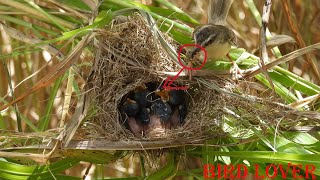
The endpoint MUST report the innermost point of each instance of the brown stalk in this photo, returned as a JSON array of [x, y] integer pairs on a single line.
[[292, 22], [263, 47]]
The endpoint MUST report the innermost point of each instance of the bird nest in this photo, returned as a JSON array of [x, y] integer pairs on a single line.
[[129, 55]]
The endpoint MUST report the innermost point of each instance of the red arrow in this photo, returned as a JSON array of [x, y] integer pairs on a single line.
[[168, 82]]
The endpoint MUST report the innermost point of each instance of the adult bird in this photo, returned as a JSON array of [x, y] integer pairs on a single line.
[[215, 36]]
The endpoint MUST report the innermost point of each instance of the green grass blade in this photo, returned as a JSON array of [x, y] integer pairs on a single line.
[[175, 34], [102, 19], [292, 83], [167, 13], [166, 171], [307, 84], [16, 171], [77, 4], [50, 17], [24, 118], [25, 8], [169, 5], [279, 88], [44, 121], [124, 4], [27, 24]]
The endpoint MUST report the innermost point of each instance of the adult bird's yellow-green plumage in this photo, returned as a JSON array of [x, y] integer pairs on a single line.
[[215, 37]]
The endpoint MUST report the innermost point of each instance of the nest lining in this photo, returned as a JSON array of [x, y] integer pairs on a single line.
[[128, 56]]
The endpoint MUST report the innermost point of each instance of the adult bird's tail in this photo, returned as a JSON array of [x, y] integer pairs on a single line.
[[218, 11]]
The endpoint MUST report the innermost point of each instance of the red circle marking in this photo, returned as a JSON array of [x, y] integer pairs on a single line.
[[201, 49]]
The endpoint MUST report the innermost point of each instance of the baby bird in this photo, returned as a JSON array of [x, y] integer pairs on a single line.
[[161, 109], [144, 115], [142, 96], [182, 109], [130, 107], [135, 127], [174, 97], [177, 101]]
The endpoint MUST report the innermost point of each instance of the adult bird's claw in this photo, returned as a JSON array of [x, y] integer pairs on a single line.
[[235, 70]]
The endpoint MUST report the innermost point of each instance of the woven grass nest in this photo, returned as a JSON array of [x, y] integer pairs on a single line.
[[128, 55]]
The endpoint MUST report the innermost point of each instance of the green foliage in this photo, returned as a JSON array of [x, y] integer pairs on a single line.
[[76, 4], [17, 171]]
